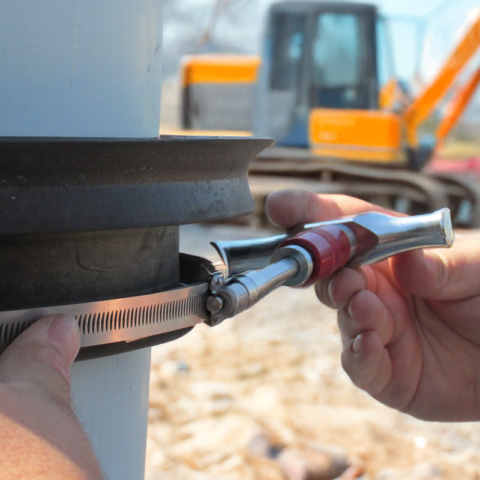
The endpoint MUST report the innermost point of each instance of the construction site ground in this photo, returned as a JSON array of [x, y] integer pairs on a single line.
[[275, 372]]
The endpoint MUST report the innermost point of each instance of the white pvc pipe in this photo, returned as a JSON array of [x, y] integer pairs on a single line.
[[89, 68], [111, 401], [83, 68]]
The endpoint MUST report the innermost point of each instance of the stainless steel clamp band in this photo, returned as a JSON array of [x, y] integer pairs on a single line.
[[119, 320]]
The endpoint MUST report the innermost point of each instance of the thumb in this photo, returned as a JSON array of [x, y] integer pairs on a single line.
[[42, 355], [287, 208]]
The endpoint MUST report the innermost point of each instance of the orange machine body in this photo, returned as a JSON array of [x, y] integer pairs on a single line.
[[219, 92], [362, 135], [223, 69]]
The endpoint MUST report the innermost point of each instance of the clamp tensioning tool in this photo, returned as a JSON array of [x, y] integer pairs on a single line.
[[318, 252]]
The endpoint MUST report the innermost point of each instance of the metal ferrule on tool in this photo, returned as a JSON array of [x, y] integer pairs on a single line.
[[292, 267]]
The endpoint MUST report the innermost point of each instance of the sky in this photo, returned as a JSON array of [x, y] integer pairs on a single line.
[[443, 23]]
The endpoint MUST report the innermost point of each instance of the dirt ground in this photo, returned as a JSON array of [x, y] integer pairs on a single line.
[[275, 371]]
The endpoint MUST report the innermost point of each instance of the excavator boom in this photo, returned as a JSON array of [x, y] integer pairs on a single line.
[[425, 103], [457, 106]]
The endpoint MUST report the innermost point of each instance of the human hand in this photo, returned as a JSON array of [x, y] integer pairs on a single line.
[[410, 325], [40, 436]]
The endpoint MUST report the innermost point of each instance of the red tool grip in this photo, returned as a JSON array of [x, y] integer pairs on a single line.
[[329, 247]]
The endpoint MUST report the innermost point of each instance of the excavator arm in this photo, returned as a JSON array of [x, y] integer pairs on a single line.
[[424, 104], [456, 107]]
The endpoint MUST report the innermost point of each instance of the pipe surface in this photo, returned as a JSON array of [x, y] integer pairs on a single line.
[[86, 68], [111, 400]]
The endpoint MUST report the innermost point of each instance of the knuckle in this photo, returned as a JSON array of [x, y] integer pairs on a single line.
[[364, 305], [49, 356], [444, 273], [54, 365], [347, 284]]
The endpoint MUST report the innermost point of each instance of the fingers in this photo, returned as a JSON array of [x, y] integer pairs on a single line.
[[367, 363], [337, 290], [441, 274], [367, 328], [366, 325], [42, 355], [287, 208], [365, 312]]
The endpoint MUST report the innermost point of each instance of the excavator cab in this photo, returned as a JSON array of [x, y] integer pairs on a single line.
[[316, 55], [325, 83]]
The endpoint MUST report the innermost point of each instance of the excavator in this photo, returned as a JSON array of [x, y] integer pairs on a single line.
[[325, 90]]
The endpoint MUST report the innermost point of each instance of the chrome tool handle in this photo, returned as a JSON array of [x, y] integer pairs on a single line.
[[401, 234], [369, 238]]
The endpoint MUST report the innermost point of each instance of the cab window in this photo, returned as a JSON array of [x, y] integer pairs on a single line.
[[287, 42], [338, 62]]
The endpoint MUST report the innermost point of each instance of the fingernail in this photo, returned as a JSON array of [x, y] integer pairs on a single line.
[[330, 291], [357, 344], [64, 331], [349, 309]]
